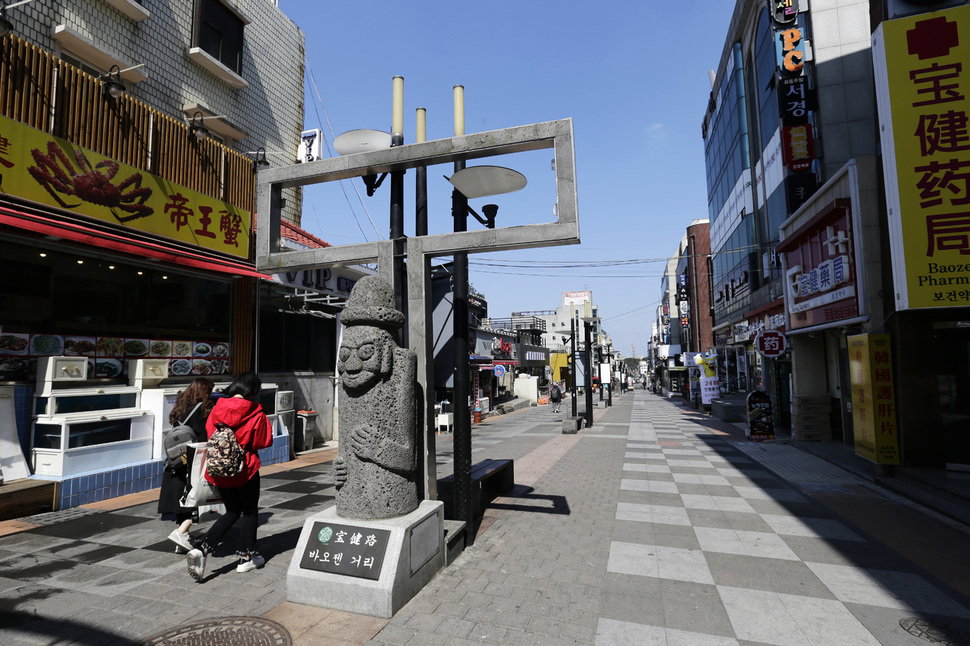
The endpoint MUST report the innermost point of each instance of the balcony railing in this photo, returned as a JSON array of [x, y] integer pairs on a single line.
[[46, 93], [516, 323]]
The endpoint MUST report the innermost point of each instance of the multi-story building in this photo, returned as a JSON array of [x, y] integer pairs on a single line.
[[130, 138], [803, 177], [577, 310]]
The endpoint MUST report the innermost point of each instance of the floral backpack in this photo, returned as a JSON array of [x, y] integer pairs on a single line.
[[224, 457]]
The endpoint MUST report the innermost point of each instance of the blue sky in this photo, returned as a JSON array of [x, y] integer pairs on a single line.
[[633, 77]]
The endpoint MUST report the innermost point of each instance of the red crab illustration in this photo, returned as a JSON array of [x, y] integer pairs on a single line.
[[55, 172]]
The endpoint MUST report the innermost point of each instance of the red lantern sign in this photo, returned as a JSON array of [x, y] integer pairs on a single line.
[[771, 343]]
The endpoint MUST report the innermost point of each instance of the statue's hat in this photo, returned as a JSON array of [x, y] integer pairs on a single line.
[[371, 302]]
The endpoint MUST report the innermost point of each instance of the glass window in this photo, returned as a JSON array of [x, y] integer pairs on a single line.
[[60, 290], [220, 33]]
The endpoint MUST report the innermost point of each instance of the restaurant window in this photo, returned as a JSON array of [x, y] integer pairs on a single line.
[[219, 32], [65, 291]]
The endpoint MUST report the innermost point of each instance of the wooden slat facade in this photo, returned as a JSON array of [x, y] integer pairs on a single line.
[[46, 93]]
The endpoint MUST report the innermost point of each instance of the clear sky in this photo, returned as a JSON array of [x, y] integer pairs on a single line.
[[633, 77]]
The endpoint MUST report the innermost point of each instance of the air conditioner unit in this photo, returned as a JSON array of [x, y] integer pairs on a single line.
[[284, 400]]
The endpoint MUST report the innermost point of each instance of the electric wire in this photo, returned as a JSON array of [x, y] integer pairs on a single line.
[[326, 141]]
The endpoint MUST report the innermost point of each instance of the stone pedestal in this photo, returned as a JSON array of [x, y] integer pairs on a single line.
[[409, 550]]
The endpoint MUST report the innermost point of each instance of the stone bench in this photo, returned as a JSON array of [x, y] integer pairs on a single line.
[[489, 478], [571, 425]]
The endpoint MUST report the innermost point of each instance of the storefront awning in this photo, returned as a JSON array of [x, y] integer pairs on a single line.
[[101, 238]]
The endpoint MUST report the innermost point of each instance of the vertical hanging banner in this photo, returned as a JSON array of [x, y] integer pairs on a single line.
[[922, 84], [873, 398]]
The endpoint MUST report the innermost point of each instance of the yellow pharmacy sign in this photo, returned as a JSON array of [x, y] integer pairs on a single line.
[[873, 398], [52, 171], [922, 87]]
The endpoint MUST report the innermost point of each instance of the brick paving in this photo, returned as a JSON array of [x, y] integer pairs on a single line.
[[658, 525]]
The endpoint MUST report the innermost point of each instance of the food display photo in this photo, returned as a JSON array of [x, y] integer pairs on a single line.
[[110, 346], [181, 348], [14, 343], [80, 346], [46, 345], [202, 349], [136, 347], [160, 348]]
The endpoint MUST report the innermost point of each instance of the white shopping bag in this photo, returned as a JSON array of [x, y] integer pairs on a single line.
[[201, 491]]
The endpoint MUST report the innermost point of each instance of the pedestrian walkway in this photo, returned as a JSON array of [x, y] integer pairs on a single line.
[[657, 525]]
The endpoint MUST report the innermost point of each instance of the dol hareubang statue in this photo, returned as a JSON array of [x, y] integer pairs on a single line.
[[377, 458]]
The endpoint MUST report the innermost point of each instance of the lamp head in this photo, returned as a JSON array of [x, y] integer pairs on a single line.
[[260, 162], [113, 88], [197, 129]]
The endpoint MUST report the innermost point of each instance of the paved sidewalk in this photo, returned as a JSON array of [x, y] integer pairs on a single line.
[[658, 525]]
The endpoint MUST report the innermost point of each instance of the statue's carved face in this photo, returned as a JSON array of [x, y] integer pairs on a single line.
[[361, 358]]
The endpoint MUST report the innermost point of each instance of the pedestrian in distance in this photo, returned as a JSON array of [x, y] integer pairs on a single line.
[[191, 409], [555, 396], [239, 409]]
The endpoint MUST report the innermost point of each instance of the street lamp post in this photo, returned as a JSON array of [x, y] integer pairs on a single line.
[[589, 391], [572, 357], [609, 355]]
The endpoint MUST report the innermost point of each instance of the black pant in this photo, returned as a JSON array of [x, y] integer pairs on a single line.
[[242, 501]]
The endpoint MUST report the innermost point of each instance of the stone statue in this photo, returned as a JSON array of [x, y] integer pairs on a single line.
[[377, 459]]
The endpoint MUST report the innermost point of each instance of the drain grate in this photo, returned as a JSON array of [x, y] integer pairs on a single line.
[[224, 631], [934, 633]]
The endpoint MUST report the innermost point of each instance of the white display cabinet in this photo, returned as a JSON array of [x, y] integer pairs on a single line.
[[75, 443], [79, 427]]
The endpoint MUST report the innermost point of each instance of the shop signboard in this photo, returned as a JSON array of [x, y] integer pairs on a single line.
[[710, 384], [795, 99], [820, 279], [873, 398], [798, 147], [783, 12], [54, 172], [771, 343], [922, 90], [761, 421]]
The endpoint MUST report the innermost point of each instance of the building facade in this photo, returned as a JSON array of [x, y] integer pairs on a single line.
[[131, 137], [810, 161]]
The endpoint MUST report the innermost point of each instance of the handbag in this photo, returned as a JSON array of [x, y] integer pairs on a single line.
[[201, 491]]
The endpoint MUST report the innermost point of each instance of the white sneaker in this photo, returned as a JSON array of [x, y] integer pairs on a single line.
[[180, 550], [181, 539], [248, 565], [196, 562]]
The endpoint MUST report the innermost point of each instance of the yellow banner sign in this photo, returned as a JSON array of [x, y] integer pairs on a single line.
[[52, 171], [923, 85], [873, 398]]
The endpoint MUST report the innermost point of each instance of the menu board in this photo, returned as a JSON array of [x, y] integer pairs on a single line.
[[108, 355], [346, 549]]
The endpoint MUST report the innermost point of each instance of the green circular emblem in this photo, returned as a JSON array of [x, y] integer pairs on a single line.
[[325, 534]]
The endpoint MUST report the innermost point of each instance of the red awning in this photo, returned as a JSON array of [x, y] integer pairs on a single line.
[[104, 239]]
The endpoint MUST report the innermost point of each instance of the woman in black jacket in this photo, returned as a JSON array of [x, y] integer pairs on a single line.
[[191, 408]]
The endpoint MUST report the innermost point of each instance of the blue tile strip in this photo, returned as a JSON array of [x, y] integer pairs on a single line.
[[94, 487]]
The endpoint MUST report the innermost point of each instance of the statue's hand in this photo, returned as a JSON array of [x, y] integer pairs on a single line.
[[339, 472], [363, 440]]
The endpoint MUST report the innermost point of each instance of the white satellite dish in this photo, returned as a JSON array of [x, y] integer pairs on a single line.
[[482, 181], [361, 141]]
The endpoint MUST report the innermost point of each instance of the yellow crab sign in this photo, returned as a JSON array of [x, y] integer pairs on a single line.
[[52, 171]]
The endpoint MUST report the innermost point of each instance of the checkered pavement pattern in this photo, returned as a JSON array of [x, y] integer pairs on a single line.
[[718, 550], [90, 570]]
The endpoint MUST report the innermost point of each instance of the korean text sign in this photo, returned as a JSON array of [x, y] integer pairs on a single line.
[[873, 398], [54, 172], [922, 68], [346, 549]]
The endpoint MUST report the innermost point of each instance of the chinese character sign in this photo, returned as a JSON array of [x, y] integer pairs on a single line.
[[345, 549], [52, 171], [873, 398], [922, 68]]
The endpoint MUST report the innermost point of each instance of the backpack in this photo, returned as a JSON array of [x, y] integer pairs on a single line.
[[555, 393], [224, 457], [175, 444]]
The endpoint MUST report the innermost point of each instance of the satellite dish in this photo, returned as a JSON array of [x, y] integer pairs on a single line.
[[361, 141], [482, 181]]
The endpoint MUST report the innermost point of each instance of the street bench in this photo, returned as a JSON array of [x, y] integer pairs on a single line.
[[489, 478]]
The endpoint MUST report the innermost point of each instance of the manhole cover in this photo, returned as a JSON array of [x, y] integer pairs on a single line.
[[224, 631], [934, 633]]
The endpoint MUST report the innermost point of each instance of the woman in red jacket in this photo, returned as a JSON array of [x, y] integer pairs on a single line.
[[239, 410]]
